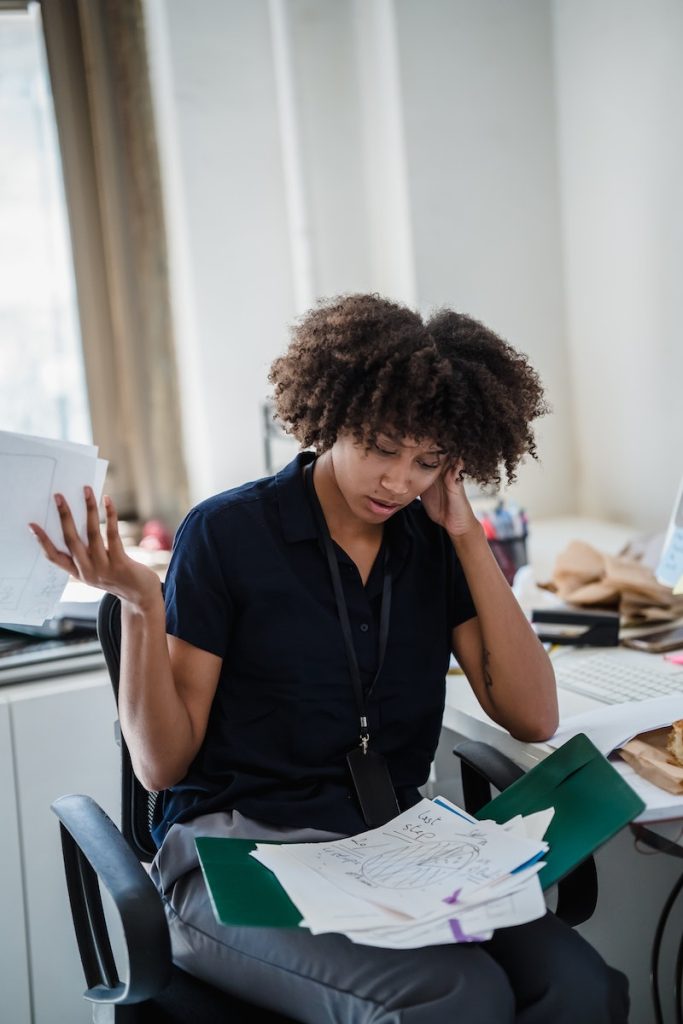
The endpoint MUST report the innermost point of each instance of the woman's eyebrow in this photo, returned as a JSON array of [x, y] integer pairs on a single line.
[[393, 439]]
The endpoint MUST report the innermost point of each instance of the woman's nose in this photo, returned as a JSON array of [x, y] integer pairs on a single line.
[[396, 480]]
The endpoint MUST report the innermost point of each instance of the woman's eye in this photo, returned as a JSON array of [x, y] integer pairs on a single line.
[[383, 451], [430, 465]]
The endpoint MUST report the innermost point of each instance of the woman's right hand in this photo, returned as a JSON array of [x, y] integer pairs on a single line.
[[105, 566]]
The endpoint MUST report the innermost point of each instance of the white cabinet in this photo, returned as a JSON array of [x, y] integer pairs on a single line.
[[13, 946], [56, 737]]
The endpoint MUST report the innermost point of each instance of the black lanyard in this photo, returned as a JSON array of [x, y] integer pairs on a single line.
[[343, 613]]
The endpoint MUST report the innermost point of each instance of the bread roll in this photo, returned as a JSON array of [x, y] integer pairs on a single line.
[[674, 743]]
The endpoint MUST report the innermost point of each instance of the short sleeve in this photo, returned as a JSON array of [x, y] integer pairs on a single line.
[[198, 605], [462, 606]]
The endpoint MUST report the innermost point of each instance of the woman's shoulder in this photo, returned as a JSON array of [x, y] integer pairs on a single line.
[[230, 507], [244, 494]]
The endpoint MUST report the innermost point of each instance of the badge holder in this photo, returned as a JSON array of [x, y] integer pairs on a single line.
[[374, 788]]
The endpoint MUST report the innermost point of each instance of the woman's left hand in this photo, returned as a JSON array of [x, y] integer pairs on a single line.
[[447, 504]]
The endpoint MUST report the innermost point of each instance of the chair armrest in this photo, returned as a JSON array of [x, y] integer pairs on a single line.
[[482, 766], [96, 853]]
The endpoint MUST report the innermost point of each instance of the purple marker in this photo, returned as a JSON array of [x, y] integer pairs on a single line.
[[460, 936]]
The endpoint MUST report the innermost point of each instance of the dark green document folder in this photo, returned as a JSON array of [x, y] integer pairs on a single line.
[[592, 803], [591, 800], [242, 891]]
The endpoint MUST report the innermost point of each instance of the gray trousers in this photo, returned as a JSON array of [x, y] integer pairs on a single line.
[[538, 973]]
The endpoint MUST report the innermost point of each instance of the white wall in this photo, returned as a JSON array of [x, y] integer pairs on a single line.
[[477, 86], [230, 249], [620, 133], [515, 161]]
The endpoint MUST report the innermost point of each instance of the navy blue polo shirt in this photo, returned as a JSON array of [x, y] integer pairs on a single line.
[[249, 582]]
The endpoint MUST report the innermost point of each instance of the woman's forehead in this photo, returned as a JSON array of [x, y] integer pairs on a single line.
[[414, 443]]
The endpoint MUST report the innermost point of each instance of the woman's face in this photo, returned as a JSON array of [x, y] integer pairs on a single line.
[[376, 482]]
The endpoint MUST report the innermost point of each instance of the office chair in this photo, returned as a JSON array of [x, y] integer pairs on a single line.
[[97, 853], [483, 767]]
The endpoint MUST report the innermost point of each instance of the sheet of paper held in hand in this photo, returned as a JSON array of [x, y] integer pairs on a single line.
[[432, 875], [32, 470]]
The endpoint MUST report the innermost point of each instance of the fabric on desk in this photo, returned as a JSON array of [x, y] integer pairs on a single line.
[[540, 973]]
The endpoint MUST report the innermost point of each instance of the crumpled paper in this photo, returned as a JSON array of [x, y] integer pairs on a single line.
[[648, 756], [585, 576]]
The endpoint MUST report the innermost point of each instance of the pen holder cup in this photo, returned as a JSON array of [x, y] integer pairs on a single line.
[[510, 553]]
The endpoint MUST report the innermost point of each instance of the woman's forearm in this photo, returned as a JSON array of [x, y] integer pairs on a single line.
[[518, 688], [154, 720]]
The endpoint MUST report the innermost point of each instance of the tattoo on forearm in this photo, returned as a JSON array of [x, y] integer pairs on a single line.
[[488, 679]]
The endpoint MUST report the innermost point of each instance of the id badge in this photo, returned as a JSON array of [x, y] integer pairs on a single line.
[[374, 787]]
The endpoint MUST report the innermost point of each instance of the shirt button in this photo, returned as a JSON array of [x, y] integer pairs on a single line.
[[364, 627]]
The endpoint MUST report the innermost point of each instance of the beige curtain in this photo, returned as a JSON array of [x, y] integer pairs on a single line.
[[99, 72]]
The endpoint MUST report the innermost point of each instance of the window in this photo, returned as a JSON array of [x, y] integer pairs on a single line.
[[42, 378], [74, 83]]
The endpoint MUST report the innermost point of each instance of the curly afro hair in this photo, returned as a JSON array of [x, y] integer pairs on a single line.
[[361, 364]]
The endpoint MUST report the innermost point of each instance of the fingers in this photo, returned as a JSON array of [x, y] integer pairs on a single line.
[[59, 558], [92, 562], [77, 548], [96, 549], [100, 561], [92, 517], [114, 542], [455, 472]]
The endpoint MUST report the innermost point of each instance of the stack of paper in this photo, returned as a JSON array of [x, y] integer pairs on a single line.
[[32, 470], [432, 875]]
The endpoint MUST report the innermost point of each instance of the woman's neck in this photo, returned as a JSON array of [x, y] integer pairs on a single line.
[[341, 520]]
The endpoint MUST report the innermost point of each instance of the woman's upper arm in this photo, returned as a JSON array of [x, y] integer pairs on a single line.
[[195, 674]]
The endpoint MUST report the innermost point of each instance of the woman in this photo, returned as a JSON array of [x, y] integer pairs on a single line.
[[308, 621]]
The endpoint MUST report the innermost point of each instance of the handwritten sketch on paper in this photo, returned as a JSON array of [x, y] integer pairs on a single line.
[[32, 469], [432, 875], [418, 859]]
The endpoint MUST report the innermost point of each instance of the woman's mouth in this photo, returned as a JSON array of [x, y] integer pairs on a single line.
[[383, 508]]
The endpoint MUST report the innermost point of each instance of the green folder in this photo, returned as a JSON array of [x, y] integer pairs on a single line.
[[592, 803], [591, 800], [243, 892]]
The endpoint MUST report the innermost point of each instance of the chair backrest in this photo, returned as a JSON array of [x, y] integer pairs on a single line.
[[137, 804]]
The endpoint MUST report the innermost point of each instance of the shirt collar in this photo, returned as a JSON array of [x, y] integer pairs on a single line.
[[296, 514], [298, 520]]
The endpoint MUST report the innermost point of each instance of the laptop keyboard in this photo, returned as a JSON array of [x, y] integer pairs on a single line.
[[618, 675]]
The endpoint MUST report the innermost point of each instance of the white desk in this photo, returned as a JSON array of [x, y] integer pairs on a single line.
[[632, 885], [464, 716]]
